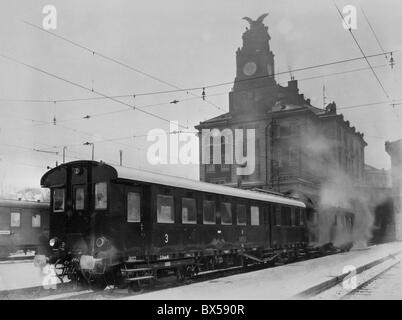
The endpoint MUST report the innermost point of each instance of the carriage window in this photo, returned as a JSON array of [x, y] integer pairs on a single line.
[[277, 215], [226, 213], [292, 217], [165, 212], [297, 216], [79, 198], [15, 219], [188, 210], [209, 212], [301, 217], [286, 216], [36, 221], [255, 216], [58, 200], [101, 195], [241, 215], [133, 207]]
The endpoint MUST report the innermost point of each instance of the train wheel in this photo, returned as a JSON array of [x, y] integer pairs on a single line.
[[60, 269], [181, 274], [135, 287], [98, 284]]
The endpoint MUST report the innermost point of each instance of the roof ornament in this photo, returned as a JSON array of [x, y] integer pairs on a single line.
[[255, 23]]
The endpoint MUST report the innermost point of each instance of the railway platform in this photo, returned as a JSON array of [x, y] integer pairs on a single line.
[[22, 274], [292, 281]]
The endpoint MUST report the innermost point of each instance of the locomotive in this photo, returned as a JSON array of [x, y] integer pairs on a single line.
[[112, 225], [24, 225]]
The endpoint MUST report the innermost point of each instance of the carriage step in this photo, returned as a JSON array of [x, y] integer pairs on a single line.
[[134, 261], [136, 270], [139, 278]]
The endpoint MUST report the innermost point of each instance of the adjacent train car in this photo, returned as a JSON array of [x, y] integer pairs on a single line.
[[331, 228], [24, 225], [135, 224]]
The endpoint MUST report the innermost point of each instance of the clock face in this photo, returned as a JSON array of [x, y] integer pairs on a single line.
[[249, 68], [269, 69]]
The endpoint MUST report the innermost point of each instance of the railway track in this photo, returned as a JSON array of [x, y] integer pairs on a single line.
[[70, 291], [340, 288]]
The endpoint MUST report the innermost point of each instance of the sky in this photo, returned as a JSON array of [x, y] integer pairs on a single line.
[[188, 44]]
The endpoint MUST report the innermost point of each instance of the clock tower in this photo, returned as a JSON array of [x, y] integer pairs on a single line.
[[254, 87]]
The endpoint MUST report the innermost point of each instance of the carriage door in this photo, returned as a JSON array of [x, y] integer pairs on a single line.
[[80, 217], [267, 224], [135, 216]]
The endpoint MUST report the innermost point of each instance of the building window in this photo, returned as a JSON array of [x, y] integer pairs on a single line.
[[225, 168], [209, 212], [284, 158], [285, 131], [36, 221], [241, 215], [58, 200], [15, 219], [255, 215], [133, 207], [79, 198], [188, 210], [165, 212], [293, 156], [101, 195], [210, 168], [226, 213]]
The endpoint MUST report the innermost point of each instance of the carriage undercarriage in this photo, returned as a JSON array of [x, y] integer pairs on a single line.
[[134, 275]]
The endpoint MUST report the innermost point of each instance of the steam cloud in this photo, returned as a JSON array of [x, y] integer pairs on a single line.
[[339, 191]]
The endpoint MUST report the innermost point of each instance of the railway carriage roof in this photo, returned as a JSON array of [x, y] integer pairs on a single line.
[[162, 179], [173, 181], [22, 203]]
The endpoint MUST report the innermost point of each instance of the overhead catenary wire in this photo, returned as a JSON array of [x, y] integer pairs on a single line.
[[374, 33], [106, 57], [100, 114], [83, 87], [362, 52], [129, 95], [365, 57], [109, 98]]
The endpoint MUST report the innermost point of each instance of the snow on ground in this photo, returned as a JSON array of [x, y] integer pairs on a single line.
[[282, 282]]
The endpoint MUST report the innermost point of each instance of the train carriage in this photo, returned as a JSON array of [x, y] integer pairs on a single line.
[[119, 218], [24, 225]]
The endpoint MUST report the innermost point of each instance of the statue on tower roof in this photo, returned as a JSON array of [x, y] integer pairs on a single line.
[[257, 35], [256, 23]]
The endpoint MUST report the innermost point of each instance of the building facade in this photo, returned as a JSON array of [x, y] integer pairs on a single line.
[[379, 197], [394, 149], [297, 146]]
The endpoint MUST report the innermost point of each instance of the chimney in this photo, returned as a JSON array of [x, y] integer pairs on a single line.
[[292, 85]]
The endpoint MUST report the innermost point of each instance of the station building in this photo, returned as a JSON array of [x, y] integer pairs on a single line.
[[297, 145]]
